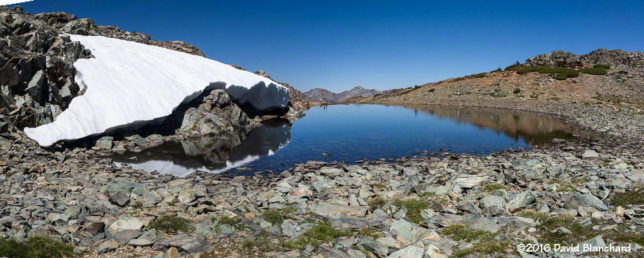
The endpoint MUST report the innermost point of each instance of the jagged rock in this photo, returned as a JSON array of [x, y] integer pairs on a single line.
[[334, 211], [140, 242], [94, 227], [469, 181], [107, 246], [493, 204], [407, 232], [104, 143], [185, 242], [408, 252], [125, 223], [81, 27], [217, 115], [124, 236], [590, 154], [585, 200], [521, 200]]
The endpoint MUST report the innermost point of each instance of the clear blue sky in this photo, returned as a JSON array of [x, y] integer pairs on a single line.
[[376, 44]]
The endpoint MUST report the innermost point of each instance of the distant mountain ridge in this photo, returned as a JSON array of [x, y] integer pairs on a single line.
[[323, 95]]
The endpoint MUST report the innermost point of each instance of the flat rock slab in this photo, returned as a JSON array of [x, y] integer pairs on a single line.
[[335, 211], [184, 242]]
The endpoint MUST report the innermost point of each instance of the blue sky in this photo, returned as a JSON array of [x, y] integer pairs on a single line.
[[376, 44]]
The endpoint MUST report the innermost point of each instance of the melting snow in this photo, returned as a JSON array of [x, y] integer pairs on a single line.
[[129, 82]]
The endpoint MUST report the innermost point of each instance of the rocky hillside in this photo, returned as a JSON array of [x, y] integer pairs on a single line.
[[604, 77], [36, 62], [323, 95]]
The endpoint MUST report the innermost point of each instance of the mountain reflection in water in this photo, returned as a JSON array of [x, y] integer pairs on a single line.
[[348, 133], [532, 127]]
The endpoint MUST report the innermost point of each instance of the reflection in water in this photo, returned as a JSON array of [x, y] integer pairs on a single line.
[[531, 127], [211, 154], [347, 133]]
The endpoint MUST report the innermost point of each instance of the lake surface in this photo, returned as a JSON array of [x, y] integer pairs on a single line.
[[349, 133]]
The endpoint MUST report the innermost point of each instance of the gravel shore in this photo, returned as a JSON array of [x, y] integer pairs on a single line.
[[584, 191]]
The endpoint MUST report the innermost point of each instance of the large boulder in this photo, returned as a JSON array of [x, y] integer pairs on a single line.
[[216, 115]]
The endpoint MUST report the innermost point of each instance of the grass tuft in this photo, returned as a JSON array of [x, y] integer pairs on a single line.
[[414, 207], [318, 234], [594, 70], [277, 216], [171, 224], [461, 232], [632, 197], [492, 187], [35, 247], [377, 202], [234, 222]]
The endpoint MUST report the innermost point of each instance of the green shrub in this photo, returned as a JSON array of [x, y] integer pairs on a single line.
[[595, 71], [377, 202], [35, 247], [559, 73], [277, 216], [632, 197], [602, 66], [413, 208], [171, 224], [517, 91], [318, 234], [513, 67], [461, 232]]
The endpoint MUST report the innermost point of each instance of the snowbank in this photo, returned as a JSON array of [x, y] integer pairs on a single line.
[[129, 82]]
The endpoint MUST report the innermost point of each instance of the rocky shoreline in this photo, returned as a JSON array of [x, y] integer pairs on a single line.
[[586, 191]]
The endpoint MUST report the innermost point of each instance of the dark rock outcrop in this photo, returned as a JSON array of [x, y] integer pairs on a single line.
[[36, 62], [36, 67], [217, 115]]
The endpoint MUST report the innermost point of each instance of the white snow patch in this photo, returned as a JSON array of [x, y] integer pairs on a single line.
[[130, 82]]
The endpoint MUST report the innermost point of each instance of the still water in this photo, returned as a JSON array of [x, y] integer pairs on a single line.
[[348, 133]]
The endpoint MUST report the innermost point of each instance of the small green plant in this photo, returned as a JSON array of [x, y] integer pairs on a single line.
[[537, 216], [483, 241], [234, 222], [414, 207], [35, 247], [377, 202], [427, 194], [513, 67], [137, 205], [517, 91], [602, 66], [559, 73], [277, 216], [488, 246], [171, 224], [565, 188], [378, 185], [632, 197], [595, 71], [462, 232], [318, 234], [492, 187]]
